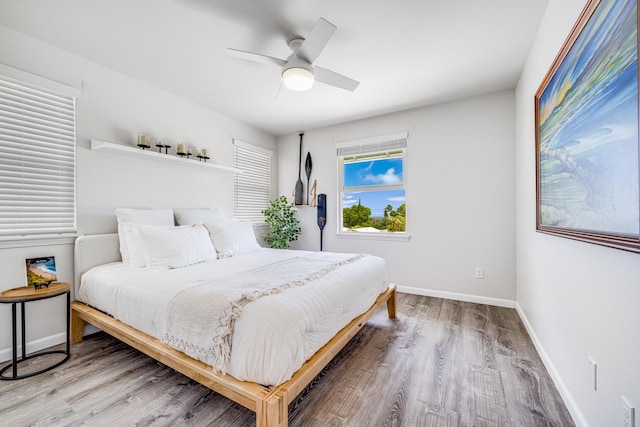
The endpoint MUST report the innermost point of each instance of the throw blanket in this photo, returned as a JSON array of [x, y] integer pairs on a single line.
[[200, 319]]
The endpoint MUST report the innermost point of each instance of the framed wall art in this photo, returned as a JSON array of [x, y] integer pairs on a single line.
[[586, 116]]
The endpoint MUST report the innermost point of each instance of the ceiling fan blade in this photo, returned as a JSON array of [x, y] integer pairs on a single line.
[[334, 79], [316, 40], [257, 57]]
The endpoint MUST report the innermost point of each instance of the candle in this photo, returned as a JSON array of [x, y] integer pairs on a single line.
[[143, 139], [181, 147], [203, 152]]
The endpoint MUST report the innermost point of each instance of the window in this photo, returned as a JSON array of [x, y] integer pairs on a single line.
[[252, 187], [373, 190], [37, 158]]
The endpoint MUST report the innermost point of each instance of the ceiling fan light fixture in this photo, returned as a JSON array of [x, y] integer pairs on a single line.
[[298, 78]]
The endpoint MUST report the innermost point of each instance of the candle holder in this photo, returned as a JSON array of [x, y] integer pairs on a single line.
[[182, 150], [166, 144], [144, 140], [159, 144], [202, 155]]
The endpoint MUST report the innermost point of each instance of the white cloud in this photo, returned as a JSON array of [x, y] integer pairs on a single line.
[[389, 177], [349, 200], [397, 199], [368, 168]]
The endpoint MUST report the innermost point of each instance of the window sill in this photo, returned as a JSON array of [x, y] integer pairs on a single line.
[[395, 237], [33, 241]]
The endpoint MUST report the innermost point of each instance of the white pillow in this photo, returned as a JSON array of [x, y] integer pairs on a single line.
[[198, 216], [176, 247], [136, 249], [139, 216], [231, 238]]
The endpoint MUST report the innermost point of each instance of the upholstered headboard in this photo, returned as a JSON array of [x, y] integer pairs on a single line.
[[92, 250]]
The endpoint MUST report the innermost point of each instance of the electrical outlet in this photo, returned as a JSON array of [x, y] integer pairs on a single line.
[[592, 373], [628, 413], [479, 273]]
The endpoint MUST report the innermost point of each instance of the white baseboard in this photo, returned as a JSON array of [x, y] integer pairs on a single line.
[[33, 346], [458, 297], [43, 343], [571, 405]]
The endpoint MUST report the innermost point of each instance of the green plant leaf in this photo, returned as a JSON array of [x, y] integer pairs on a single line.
[[285, 226]]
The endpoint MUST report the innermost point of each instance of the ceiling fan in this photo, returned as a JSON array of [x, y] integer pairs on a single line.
[[298, 71]]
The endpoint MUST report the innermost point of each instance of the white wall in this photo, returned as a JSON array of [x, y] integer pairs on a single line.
[[579, 299], [460, 195], [114, 108]]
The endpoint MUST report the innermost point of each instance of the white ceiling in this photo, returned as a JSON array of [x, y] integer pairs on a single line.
[[405, 53]]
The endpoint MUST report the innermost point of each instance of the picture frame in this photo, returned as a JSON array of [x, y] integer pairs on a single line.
[[41, 271], [586, 124]]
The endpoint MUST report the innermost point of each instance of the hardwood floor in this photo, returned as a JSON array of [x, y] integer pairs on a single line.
[[440, 363]]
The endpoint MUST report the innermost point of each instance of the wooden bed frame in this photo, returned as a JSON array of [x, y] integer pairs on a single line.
[[271, 405]]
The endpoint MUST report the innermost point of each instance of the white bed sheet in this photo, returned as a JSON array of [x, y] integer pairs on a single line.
[[274, 335]]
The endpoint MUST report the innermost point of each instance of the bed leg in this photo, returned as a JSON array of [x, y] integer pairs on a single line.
[[391, 304], [77, 327], [273, 411]]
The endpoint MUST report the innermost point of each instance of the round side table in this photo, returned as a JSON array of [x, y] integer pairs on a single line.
[[21, 296]]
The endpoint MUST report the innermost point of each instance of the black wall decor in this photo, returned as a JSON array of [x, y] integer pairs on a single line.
[[308, 165], [298, 196], [322, 214]]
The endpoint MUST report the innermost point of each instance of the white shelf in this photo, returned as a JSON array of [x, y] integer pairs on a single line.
[[158, 157]]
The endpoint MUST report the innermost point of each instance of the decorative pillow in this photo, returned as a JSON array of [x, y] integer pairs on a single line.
[[136, 248], [231, 238], [198, 216], [139, 216], [176, 247]]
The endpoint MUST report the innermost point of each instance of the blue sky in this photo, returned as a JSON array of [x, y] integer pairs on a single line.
[[374, 173]]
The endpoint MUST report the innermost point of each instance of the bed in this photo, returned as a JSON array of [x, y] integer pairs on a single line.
[[250, 381]]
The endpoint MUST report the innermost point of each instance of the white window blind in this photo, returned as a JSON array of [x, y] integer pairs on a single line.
[[37, 161], [372, 145], [252, 187]]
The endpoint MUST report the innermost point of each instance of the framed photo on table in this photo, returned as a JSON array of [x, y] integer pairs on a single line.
[[586, 117], [41, 271]]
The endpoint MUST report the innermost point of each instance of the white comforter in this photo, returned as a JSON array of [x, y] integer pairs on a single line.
[[274, 335]]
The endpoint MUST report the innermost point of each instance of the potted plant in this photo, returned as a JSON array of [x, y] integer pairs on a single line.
[[285, 226]]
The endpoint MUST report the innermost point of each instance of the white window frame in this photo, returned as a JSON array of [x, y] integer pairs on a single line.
[[37, 160], [252, 188], [378, 144]]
